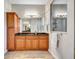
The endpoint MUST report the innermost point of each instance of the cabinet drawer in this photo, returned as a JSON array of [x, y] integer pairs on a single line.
[[29, 37], [43, 37]]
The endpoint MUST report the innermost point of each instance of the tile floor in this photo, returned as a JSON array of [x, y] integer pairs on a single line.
[[28, 55]]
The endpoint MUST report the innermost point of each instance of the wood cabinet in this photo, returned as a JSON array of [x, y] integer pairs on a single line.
[[31, 43], [10, 19], [20, 43], [10, 43], [12, 28], [13, 21], [43, 42], [17, 23], [35, 43], [28, 42]]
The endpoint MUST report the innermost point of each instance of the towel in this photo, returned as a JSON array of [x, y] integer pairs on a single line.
[[58, 39]]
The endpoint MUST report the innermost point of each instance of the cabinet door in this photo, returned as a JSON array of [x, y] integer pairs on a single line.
[[10, 19], [28, 43], [20, 42], [43, 43], [16, 23], [35, 43], [10, 43]]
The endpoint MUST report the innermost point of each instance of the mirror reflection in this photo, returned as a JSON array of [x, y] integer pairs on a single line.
[[32, 25], [58, 17]]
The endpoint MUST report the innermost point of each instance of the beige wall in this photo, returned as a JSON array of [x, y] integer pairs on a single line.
[[7, 8], [66, 48]]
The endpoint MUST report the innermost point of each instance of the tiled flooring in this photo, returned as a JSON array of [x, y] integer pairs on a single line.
[[28, 55]]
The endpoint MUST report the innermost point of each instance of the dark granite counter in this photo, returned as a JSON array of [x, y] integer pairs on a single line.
[[30, 34]]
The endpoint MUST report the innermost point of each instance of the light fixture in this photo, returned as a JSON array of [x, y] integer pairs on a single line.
[[61, 14], [31, 14]]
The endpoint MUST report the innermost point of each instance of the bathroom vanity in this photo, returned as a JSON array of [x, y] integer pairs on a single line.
[[31, 41], [19, 41]]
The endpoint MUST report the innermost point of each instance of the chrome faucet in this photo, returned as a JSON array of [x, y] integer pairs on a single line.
[[35, 33]]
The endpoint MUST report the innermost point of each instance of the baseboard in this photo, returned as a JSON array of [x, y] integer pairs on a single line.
[[53, 54]]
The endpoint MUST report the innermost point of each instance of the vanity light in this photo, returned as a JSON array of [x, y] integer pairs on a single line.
[[61, 15], [31, 14]]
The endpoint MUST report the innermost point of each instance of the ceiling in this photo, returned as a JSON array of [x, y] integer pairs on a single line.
[[36, 2], [32, 2]]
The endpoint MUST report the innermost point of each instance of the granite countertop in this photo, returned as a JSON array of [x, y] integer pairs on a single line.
[[31, 34]]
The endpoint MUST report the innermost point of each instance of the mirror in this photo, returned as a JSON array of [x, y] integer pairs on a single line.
[[32, 25], [58, 18]]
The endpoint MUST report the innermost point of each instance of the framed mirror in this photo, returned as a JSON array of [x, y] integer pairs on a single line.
[[58, 17]]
